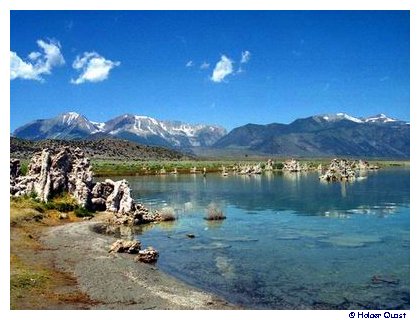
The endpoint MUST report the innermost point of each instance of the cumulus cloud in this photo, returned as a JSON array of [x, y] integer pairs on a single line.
[[222, 69], [205, 65], [189, 64], [245, 56], [93, 67], [38, 63]]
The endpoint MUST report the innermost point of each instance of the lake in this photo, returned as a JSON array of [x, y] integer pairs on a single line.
[[289, 241]]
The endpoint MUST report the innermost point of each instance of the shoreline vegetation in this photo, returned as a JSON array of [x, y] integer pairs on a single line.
[[44, 265], [113, 168], [109, 168], [33, 273]]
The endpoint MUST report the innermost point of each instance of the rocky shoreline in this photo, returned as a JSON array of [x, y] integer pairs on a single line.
[[104, 269], [117, 281]]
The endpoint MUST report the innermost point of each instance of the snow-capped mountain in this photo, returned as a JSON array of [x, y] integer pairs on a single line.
[[148, 130], [321, 135], [69, 125], [141, 129], [324, 135]]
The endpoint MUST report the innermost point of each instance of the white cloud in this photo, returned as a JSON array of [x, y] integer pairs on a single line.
[[245, 56], [223, 68], [205, 65], [34, 55], [38, 64], [94, 67], [189, 64]]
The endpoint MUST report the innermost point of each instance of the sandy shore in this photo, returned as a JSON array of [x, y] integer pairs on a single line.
[[116, 281]]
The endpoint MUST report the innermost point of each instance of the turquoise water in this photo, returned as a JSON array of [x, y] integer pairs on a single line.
[[289, 241]]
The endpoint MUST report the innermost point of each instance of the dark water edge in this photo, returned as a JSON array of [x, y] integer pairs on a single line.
[[288, 242]]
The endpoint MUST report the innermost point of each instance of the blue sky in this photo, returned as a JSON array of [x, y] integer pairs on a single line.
[[217, 67]]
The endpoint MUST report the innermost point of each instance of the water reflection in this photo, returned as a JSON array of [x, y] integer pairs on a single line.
[[214, 224], [302, 193], [289, 241], [343, 189]]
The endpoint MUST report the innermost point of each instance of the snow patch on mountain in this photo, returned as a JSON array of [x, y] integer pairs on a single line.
[[350, 118], [380, 118]]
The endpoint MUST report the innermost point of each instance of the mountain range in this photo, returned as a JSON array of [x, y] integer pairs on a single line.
[[316, 136], [140, 129], [325, 135]]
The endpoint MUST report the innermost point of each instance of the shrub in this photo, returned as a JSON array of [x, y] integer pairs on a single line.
[[23, 167], [83, 212], [62, 203], [278, 165], [64, 207], [214, 213], [49, 205], [33, 195]]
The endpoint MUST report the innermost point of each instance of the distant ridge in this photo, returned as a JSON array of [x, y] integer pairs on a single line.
[[105, 149]]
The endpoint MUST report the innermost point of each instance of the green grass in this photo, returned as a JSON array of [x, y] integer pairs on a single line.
[[27, 278], [121, 168], [28, 208], [83, 212], [109, 168], [24, 167]]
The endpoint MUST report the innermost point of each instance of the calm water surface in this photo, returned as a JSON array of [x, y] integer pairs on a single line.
[[289, 241]]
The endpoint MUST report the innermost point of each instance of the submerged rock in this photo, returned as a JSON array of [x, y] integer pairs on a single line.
[[225, 267], [387, 280], [352, 241]]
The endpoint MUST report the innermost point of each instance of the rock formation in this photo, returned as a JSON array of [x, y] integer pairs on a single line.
[[14, 168], [52, 172], [269, 165], [345, 170], [115, 196], [339, 170], [148, 255], [128, 246], [292, 165], [248, 168]]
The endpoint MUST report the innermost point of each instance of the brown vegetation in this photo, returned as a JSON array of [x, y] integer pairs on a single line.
[[214, 213]]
